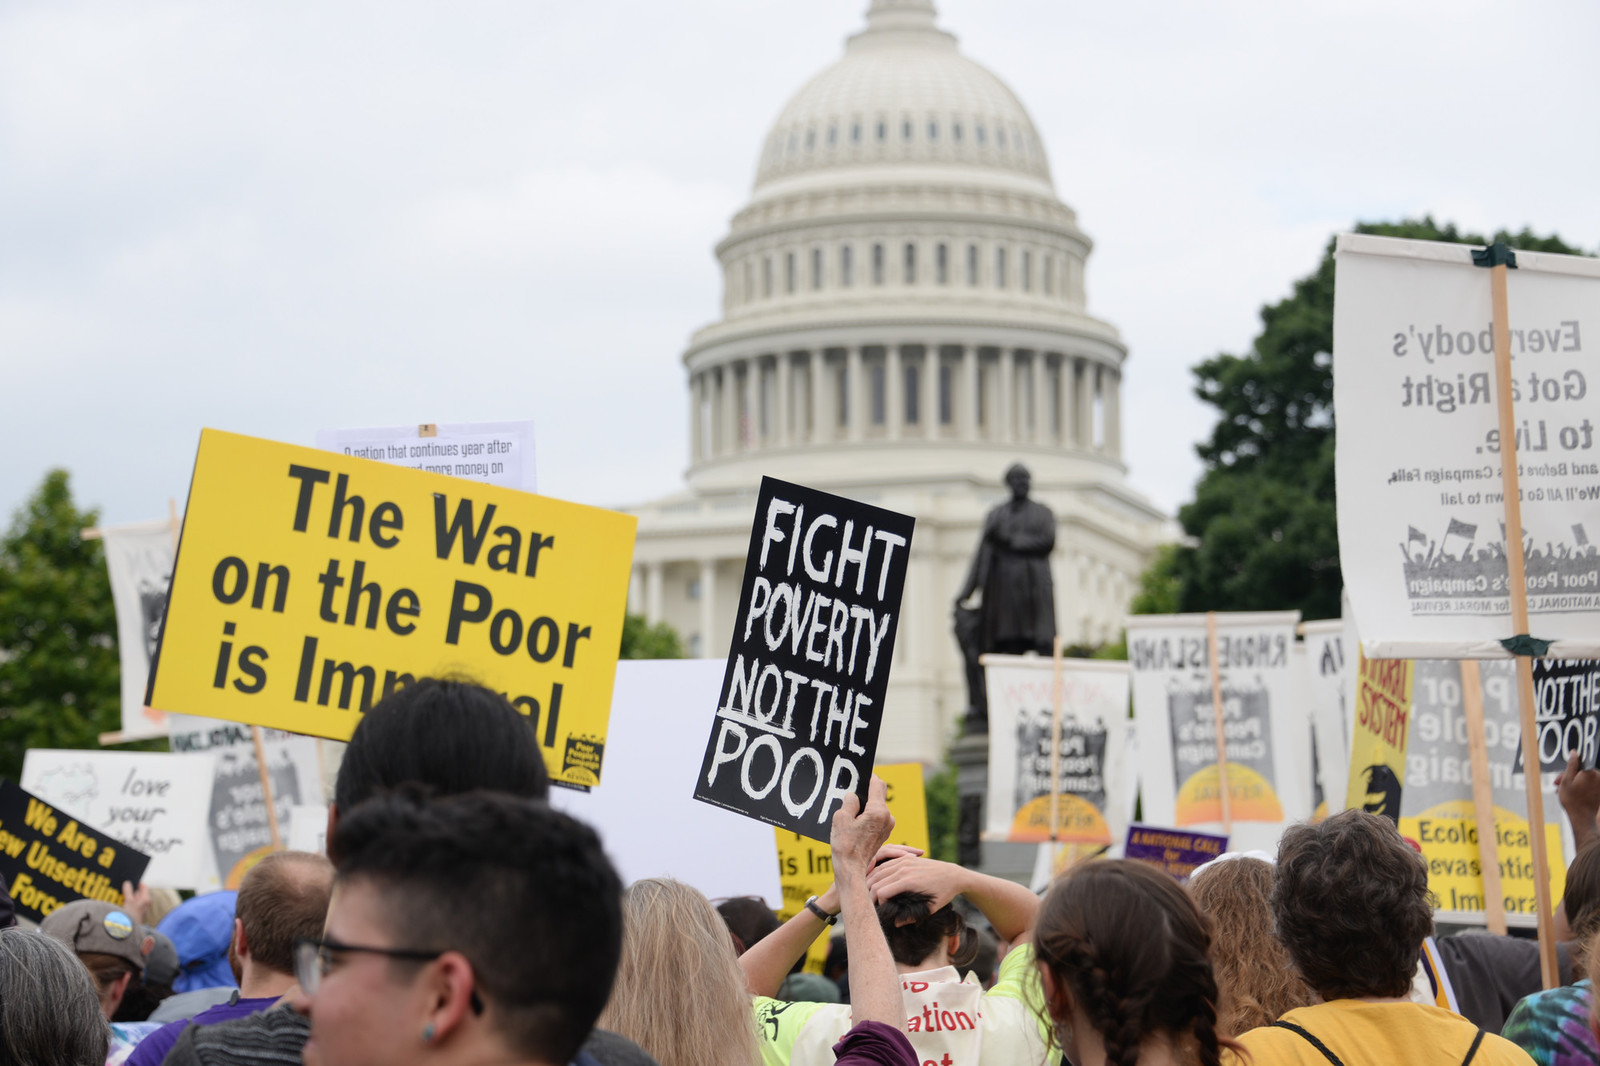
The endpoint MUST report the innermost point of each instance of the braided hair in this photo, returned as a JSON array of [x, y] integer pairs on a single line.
[[1125, 945]]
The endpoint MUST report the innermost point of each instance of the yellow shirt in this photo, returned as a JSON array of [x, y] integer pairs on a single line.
[[1377, 1034]]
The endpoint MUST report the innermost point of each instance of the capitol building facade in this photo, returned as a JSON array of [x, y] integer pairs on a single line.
[[904, 316]]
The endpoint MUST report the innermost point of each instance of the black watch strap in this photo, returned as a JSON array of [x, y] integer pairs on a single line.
[[826, 918]]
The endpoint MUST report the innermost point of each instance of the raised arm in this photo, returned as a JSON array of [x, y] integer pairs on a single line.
[[1010, 907], [874, 982]]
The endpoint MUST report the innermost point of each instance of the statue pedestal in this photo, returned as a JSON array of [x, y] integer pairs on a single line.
[[970, 754]]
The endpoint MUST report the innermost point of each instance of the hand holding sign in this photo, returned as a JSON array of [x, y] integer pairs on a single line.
[[859, 832]]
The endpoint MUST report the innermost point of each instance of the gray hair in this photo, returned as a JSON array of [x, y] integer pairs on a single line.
[[49, 1008]]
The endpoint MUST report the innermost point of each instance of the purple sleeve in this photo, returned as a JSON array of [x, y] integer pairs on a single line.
[[153, 1048], [874, 1044]]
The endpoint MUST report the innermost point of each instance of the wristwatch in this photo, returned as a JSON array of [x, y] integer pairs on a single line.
[[826, 918]]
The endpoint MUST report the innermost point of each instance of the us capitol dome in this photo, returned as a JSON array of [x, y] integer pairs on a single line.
[[903, 317]]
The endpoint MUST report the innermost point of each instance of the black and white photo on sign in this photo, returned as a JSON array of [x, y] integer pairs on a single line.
[[797, 720], [1422, 537], [139, 561]]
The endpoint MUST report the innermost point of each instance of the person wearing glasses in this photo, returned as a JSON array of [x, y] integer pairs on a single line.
[[469, 930], [283, 898]]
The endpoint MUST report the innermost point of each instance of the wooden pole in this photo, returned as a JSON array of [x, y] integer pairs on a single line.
[[266, 787], [1216, 712], [1518, 574], [1055, 748], [1494, 902]]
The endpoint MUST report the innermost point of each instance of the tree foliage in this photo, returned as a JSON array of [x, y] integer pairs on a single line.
[[641, 640], [59, 677], [1262, 523]]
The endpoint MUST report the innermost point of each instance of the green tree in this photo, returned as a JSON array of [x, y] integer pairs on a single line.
[[1263, 519], [59, 677], [641, 640]]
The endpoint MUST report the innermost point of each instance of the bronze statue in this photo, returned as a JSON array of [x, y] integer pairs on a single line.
[[1016, 610]]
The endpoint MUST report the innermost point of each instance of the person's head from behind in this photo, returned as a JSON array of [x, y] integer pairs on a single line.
[[924, 939], [1580, 900], [464, 929], [109, 943], [1122, 952], [680, 994], [1256, 980], [1351, 905], [284, 898], [749, 921], [448, 735], [49, 1007]]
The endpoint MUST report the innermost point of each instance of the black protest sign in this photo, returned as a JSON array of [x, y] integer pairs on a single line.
[[49, 858], [1567, 705], [802, 699]]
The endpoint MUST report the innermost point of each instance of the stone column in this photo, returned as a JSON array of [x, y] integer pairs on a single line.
[[1005, 419], [814, 366], [967, 396], [730, 409], [855, 401], [1083, 382], [652, 592], [1036, 386], [782, 434], [750, 424], [708, 600], [928, 386], [1113, 412], [894, 391], [1063, 399], [696, 392]]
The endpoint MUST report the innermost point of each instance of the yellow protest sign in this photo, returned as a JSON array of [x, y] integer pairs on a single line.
[[309, 584], [1378, 747], [1448, 836], [805, 866]]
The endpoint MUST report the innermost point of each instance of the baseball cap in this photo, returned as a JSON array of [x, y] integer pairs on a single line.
[[201, 929], [161, 968], [93, 927]]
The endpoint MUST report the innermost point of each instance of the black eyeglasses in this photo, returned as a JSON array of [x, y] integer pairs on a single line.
[[314, 958]]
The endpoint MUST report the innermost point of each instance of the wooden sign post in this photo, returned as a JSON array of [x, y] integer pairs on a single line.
[[1216, 709], [1494, 901], [1498, 258]]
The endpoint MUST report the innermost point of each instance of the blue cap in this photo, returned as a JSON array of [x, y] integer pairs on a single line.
[[201, 929]]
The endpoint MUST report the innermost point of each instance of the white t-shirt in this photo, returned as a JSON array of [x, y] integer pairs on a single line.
[[950, 1021]]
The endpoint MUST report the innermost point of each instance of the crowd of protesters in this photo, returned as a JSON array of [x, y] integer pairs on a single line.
[[458, 920]]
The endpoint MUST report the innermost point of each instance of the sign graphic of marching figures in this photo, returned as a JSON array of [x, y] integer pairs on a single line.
[[1263, 717], [802, 700], [139, 563], [1095, 793], [1422, 536], [310, 584]]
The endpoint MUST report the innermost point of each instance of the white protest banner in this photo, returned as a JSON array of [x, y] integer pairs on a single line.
[[150, 801], [650, 824], [1264, 724], [308, 828], [1329, 683], [796, 724], [139, 562], [1421, 507], [1436, 805], [495, 453], [240, 832], [1094, 794]]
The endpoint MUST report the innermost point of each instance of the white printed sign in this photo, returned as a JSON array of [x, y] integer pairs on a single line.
[[1264, 724], [495, 453], [1329, 681], [308, 828], [1094, 800], [644, 807], [237, 814], [139, 562], [153, 802], [1421, 508]]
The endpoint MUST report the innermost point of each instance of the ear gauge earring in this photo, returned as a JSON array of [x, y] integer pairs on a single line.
[[427, 1033]]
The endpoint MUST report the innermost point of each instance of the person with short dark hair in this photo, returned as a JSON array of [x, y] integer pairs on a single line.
[[480, 928], [282, 899], [49, 1007], [1352, 908]]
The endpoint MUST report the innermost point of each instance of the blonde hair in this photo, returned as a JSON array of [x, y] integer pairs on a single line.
[[1256, 981], [679, 992]]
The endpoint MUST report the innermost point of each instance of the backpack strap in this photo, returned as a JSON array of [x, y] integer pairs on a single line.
[[1473, 1050], [1320, 1046]]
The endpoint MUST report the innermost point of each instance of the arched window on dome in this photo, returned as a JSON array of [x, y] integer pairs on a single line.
[[982, 134], [999, 268], [788, 272], [766, 276], [972, 264], [816, 268], [955, 131], [855, 133], [905, 129], [1027, 272], [911, 264], [941, 264], [847, 272], [877, 264]]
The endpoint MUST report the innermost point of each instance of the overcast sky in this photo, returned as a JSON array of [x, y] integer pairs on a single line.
[[278, 217]]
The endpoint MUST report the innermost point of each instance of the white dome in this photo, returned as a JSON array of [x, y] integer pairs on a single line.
[[902, 94]]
